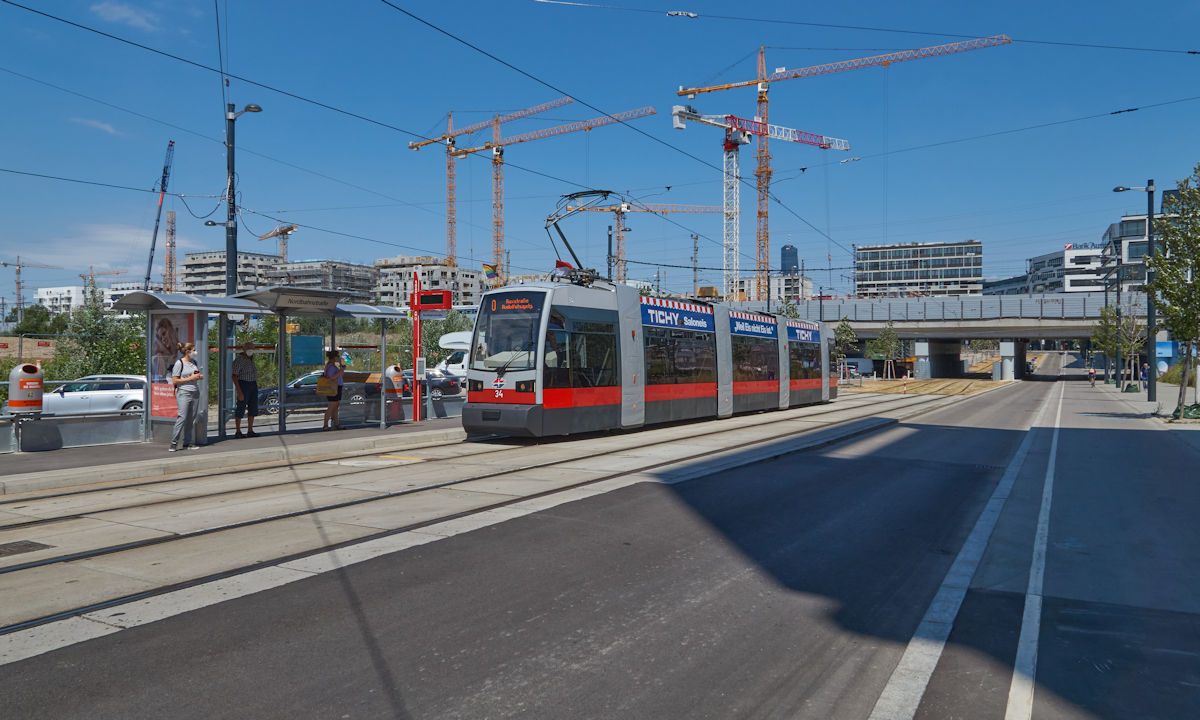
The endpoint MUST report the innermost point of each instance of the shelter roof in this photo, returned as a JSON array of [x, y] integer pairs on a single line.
[[143, 300]]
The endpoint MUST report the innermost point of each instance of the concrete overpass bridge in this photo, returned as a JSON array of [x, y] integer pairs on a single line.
[[939, 325]]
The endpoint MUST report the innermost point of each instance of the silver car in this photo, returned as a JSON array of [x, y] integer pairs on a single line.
[[96, 394]]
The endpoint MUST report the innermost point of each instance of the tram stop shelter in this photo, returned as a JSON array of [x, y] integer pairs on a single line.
[[179, 317]]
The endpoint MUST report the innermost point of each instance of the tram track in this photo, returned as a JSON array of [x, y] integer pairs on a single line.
[[23, 503], [63, 560]]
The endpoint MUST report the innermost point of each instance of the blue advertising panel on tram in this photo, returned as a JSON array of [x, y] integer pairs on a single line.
[[741, 323], [803, 333], [671, 314]]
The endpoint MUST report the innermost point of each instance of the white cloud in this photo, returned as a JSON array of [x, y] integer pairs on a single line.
[[103, 247], [96, 124], [125, 13]]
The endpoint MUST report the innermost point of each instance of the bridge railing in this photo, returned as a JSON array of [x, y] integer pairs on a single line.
[[1063, 306]]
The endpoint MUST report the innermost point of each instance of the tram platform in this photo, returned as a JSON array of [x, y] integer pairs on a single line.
[[89, 465]]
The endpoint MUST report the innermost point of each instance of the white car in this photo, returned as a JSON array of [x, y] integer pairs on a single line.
[[96, 394]]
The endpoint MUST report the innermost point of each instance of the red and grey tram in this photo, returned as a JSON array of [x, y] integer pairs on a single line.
[[559, 358]]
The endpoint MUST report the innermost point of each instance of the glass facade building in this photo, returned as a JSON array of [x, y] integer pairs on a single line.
[[919, 269]]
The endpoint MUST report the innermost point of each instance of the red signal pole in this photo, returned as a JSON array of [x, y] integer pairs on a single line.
[[414, 307]]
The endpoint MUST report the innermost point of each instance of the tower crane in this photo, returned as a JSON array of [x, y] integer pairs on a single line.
[[448, 138], [738, 132], [20, 302], [90, 275], [282, 232], [762, 172], [621, 209], [169, 260], [497, 146], [162, 190]]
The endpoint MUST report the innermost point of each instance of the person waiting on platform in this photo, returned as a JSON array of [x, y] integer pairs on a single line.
[[245, 386], [333, 369]]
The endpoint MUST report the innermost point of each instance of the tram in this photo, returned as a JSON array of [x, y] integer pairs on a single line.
[[558, 358]]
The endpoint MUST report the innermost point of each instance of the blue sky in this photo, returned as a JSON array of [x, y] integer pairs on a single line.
[[1021, 193]]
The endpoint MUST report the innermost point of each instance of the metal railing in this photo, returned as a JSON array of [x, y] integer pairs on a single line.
[[1059, 306]]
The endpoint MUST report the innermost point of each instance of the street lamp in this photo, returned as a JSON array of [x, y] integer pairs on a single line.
[[1151, 330], [226, 331], [231, 217]]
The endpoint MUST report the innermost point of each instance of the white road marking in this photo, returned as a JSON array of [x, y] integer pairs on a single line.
[[1020, 693], [904, 690]]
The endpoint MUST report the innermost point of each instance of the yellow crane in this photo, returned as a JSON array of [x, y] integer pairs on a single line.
[[18, 265], [620, 210], [282, 232], [90, 275], [497, 146], [448, 138], [762, 173]]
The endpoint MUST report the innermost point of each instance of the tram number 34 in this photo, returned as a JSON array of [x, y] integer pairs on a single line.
[[499, 393]]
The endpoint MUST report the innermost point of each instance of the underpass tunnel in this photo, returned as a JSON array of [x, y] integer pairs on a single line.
[[937, 359]]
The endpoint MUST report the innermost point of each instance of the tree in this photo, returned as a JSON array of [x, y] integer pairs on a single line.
[[845, 340], [100, 342], [1175, 268], [788, 309], [887, 346], [1104, 333]]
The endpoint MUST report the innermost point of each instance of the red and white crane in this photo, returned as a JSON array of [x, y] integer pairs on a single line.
[[738, 132]]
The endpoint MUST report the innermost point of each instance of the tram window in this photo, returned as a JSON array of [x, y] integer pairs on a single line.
[[805, 360], [557, 371], [658, 359], [679, 356], [754, 359], [594, 360]]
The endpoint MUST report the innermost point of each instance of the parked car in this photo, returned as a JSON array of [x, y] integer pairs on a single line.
[[96, 394], [436, 384], [302, 393]]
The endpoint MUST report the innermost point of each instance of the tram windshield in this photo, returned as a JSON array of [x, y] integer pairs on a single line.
[[506, 333]]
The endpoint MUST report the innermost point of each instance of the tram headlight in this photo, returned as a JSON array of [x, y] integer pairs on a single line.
[[525, 386]]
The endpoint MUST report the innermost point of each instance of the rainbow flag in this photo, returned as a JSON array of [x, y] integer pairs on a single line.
[[489, 271]]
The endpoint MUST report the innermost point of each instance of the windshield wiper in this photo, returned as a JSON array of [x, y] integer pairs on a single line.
[[503, 368]]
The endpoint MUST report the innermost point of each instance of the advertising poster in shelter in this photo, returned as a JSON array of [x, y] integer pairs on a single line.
[[170, 329]]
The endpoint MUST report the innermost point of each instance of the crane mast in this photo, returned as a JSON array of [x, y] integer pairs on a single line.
[[448, 139], [762, 173], [20, 301], [169, 273], [162, 190], [738, 132], [497, 145]]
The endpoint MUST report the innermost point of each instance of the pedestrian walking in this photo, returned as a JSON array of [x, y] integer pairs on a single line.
[[1092, 375], [245, 385], [334, 371], [1145, 374], [186, 376]]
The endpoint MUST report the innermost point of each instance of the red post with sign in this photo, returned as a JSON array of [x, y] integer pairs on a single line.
[[415, 309]]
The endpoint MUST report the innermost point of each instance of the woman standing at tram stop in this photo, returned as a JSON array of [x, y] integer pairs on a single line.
[[186, 376], [333, 369]]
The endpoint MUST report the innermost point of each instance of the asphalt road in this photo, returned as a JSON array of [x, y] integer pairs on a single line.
[[783, 589]]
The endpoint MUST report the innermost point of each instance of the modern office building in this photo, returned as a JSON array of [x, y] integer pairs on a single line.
[[789, 260], [919, 269], [358, 281], [1077, 268], [1124, 249], [1016, 285], [203, 273], [394, 284]]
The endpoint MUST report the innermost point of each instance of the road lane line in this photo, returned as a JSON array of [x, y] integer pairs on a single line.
[[905, 688], [1020, 692]]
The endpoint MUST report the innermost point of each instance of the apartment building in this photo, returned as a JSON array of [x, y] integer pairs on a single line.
[[395, 280], [203, 273]]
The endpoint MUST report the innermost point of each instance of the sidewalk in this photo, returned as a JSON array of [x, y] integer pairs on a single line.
[[104, 463]]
